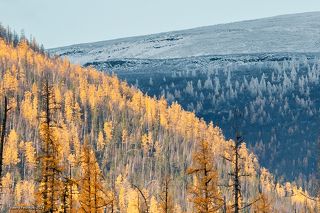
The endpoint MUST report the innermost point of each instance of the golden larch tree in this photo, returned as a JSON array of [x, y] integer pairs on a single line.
[[205, 194], [154, 206], [133, 201], [107, 128], [10, 155], [263, 204], [50, 181], [93, 195]]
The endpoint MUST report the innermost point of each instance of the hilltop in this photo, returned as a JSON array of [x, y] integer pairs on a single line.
[[285, 33]]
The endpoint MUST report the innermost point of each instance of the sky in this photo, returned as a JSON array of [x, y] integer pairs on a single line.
[[56, 23]]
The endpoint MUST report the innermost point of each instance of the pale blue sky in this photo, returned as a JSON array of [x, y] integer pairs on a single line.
[[63, 22]]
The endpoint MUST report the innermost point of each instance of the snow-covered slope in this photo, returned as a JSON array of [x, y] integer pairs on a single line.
[[287, 33]]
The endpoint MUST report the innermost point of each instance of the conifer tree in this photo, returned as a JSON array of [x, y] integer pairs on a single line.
[[154, 207], [262, 205], [29, 155], [93, 195], [67, 195], [204, 192], [50, 181], [237, 173], [133, 201], [10, 152]]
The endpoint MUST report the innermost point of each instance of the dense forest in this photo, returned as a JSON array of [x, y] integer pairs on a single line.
[[77, 140], [278, 94]]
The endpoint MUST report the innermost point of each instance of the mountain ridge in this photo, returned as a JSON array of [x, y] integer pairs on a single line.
[[284, 33], [186, 29]]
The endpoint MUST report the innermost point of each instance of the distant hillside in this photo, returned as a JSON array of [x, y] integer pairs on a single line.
[[277, 93], [268, 68], [76, 133], [287, 33]]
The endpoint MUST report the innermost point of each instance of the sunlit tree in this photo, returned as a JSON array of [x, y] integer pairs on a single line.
[[93, 194], [205, 194], [50, 181]]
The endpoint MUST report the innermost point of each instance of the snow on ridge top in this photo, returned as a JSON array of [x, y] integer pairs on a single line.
[[286, 33]]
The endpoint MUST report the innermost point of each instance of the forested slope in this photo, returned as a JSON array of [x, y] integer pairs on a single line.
[[81, 140], [268, 68]]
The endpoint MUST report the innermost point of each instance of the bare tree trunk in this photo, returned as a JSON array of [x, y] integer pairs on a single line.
[[166, 196], [71, 184], [166, 199], [3, 133], [236, 186], [224, 204]]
